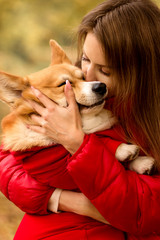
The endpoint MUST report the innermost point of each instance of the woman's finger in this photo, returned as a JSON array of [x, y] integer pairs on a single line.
[[43, 99], [39, 109], [40, 126], [70, 97], [39, 120], [37, 129]]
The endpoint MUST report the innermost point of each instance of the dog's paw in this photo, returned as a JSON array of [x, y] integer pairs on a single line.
[[142, 164], [127, 152]]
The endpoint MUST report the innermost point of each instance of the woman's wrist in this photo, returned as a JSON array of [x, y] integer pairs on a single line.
[[73, 145], [78, 203], [71, 202]]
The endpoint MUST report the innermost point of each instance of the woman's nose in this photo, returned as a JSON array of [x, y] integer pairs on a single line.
[[90, 74]]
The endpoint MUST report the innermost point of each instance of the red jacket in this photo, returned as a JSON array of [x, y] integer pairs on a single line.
[[117, 193]]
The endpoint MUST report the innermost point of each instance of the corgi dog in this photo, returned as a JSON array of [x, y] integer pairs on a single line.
[[90, 96]]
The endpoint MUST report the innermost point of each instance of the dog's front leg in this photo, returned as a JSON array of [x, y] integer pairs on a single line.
[[126, 152], [142, 164]]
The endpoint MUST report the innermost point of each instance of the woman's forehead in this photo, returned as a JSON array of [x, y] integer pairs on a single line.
[[93, 50]]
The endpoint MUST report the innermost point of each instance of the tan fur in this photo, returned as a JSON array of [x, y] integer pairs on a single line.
[[16, 90]]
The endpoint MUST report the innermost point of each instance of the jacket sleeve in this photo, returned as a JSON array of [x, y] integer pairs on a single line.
[[129, 201], [20, 188]]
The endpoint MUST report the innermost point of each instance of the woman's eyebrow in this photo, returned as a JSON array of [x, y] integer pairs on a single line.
[[99, 65]]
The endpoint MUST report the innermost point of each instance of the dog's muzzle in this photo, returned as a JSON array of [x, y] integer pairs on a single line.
[[100, 90]]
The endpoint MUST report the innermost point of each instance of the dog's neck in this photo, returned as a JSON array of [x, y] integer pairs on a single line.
[[19, 138]]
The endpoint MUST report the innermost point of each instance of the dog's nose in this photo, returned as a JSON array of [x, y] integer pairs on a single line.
[[99, 88]]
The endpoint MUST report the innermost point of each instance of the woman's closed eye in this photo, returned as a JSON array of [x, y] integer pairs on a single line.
[[105, 72]]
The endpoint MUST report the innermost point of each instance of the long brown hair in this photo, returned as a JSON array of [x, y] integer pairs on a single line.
[[129, 33]]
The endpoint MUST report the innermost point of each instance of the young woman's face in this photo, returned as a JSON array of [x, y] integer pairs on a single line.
[[94, 64]]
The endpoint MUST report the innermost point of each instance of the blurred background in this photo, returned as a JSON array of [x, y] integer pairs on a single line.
[[25, 29], [26, 26]]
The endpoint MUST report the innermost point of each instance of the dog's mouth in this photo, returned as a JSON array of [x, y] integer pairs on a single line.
[[84, 107]]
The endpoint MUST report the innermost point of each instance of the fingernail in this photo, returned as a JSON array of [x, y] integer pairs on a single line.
[[35, 91], [68, 85]]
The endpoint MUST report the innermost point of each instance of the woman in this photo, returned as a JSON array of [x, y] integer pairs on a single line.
[[121, 47]]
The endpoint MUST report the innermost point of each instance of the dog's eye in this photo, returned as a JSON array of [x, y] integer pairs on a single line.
[[63, 83], [83, 77]]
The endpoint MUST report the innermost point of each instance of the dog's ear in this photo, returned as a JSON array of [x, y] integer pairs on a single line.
[[57, 54], [11, 87]]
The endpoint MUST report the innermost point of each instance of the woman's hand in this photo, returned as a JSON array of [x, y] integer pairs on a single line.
[[61, 124], [78, 203]]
